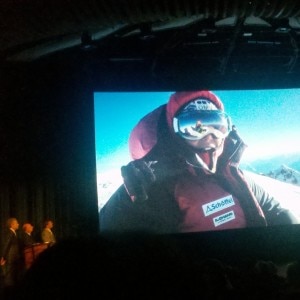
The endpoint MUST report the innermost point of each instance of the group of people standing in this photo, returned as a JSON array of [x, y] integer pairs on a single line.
[[14, 242]]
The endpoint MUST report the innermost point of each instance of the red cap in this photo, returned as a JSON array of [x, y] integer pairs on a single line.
[[144, 135], [180, 99]]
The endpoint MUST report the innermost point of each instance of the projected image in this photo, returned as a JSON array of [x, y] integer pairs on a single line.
[[197, 161]]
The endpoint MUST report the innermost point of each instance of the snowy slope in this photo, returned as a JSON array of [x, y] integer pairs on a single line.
[[286, 174], [287, 193]]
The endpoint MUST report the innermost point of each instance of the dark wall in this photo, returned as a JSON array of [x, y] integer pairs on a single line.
[[47, 155]]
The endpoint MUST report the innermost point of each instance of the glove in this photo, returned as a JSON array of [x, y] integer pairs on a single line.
[[138, 175]]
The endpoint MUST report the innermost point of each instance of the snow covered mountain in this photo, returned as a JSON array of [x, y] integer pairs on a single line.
[[107, 184], [282, 182], [285, 174], [286, 193], [279, 166]]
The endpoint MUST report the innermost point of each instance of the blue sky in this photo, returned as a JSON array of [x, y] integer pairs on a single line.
[[267, 120]]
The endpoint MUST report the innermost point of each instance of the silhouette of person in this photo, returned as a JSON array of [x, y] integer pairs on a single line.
[[47, 235], [11, 254], [198, 127], [143, 266], [26, 236], [293, 280]]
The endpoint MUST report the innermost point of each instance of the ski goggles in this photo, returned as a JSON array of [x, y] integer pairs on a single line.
[[195, 125]]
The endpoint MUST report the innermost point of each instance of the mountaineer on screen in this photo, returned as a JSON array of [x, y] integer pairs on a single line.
[[185, 175]]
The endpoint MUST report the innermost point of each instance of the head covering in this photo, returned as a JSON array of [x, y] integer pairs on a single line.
[[143, 137], [203, 154], [179, 99]]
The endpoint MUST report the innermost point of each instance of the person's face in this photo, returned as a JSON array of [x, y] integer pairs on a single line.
[[208, 143], [15, 224], [50, 224], [28, 228], [208, 149]]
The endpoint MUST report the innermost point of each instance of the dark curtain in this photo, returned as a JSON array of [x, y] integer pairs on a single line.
[[47, 150]]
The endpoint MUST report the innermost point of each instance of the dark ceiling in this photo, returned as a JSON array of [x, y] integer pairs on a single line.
[[161, 37]]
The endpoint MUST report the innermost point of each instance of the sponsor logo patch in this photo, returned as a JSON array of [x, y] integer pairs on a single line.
[[224, 218], [200, 104], [217, 205]]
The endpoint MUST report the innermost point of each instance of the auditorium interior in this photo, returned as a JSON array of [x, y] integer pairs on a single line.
[[55, 54]]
